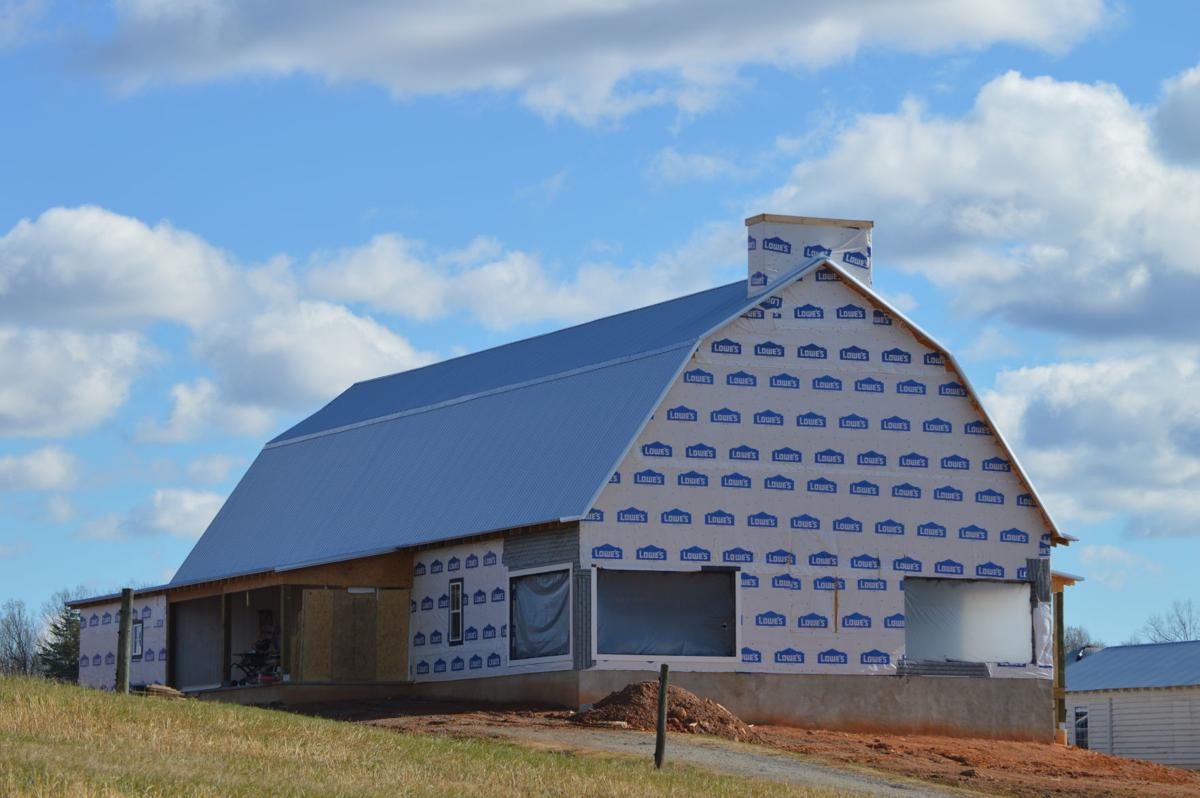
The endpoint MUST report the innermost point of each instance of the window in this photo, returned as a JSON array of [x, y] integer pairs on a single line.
[[540, 614], [666, 613], [136, 640], [965, 620], [455, 634], [1081, 727]]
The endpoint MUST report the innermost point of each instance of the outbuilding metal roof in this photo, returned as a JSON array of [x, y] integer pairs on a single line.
[[1124, 667]]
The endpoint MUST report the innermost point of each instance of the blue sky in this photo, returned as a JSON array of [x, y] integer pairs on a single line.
[[215, 216]]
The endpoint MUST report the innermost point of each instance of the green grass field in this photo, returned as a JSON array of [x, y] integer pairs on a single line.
[[64, 740]]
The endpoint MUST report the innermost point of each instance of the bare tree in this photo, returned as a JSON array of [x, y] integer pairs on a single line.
[[18, 639], [1076, 637], [1181, 622]]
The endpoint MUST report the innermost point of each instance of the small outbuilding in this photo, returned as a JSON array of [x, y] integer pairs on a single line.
[[1138, 701]]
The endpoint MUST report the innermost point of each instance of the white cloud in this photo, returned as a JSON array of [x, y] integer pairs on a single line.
[[1115, 437], [17, 18], [197, 407], [1113, 566], [48, 468], [55, 382], [583, 59], [211, 469], [1047, 203], [60, 509], [1178, 116], [990, 344], [671, 166], [179, 512]]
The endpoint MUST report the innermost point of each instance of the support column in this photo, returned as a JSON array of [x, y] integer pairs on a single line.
[[285, 644], [1060, 664], [226, 632]]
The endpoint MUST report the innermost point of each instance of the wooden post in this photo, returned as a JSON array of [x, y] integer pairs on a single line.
[[285, 648], [660, 740], [1060, 665], [124, 641], [226, 647], [172, 654]]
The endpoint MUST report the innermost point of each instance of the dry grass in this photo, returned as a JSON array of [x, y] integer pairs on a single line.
[[64, 740]]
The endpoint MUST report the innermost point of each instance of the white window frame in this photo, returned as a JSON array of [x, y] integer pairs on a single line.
[[462, 618], [557, 659], [137, 639], [672, 659]]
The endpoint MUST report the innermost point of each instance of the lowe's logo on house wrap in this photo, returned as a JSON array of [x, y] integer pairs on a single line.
[[480, 597], [743, 452], [832, 656], [682, 413], [828, 276], [851, 312], [896, 355], [829, 456], [607, 551], [1013, 536], [489, 558], [436, 567], [675, 516], [489, 632], [905, 490], [809, 312], [864, 488], [692, 479], [948, 493], [785, 381], [772, 303], [951, 388], [718, 518], [751, 243], [956, 462], [934, 359], [758, 279], [931, 529], [812, 621], [737, 555], [749, 580], [817, 251], [762, 519], [754, 313], [632, 515], [419, 569], [911, 388], [594, 515], [823, 559], [812, 352], [889, 527], [950, 567], [735, 480], [996, 464], [989, 496], [435, 637], [471, 634], [1026, 500], [476, 662], [977, 428], [789, 656], [652, 553], [768, 349], [990, 570], [847, 524], [725, 416], [786, 455], [881, 318], [872, 458], [453, 564], [856, 620], [810, 419], [785, 582], [779, 482], [649, 477], [872, 584], [768, 418], [698, 377], [701, 451], [493, 660], [427, 603], [781, 557], [972, 532], [854, 353], [472, 560], [826, 383], [895, 424], [615, 479], [865, 562], [853, 421], [914, 460], [868, 385], [422, 668], [419, 639], [855, 258], [907, 565], [894, 621], [741, 379], [726, 346], [829, 583], [875, 657], [749, 655], [770, 618], [806, 522], [822, 485], [937, 425], [776, 244], [656, 449]]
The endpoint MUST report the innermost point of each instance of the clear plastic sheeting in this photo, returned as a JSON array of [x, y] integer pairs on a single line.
[[657, 613], [541, 615], [1043, 634], [967, 621]]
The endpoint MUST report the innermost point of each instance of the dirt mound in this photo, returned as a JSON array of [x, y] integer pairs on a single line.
[[637, 706]]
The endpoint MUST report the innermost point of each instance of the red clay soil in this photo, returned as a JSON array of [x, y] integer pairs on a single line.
[[1028, 770], [637, 705]]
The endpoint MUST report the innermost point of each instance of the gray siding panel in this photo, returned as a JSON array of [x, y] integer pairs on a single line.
[[533, 549], [1160, 725]]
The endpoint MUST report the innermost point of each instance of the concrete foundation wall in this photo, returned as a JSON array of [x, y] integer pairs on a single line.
[[1007, 709], [553, 688]]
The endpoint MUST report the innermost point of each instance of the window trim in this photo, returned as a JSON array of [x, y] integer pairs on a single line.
[[137, 639], [672, 659], [569, 657], [462, 619]]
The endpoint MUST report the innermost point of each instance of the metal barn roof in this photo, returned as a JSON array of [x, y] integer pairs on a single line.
[[1123, 667]]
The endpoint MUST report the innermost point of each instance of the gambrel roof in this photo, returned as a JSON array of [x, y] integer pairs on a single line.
[[522, 434]]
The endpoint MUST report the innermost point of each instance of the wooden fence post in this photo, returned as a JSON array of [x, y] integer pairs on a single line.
[[124, 643], [660, 740]]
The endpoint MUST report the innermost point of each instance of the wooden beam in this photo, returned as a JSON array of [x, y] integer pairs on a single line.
[[285, 644], [1060, 663]]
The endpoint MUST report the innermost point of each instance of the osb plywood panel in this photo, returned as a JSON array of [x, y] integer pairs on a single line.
[[316, 626], [391, 636], [384, 570]]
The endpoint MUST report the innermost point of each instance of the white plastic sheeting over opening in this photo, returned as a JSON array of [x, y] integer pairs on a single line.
[[541, 615], [684, 614], [967, 621]]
